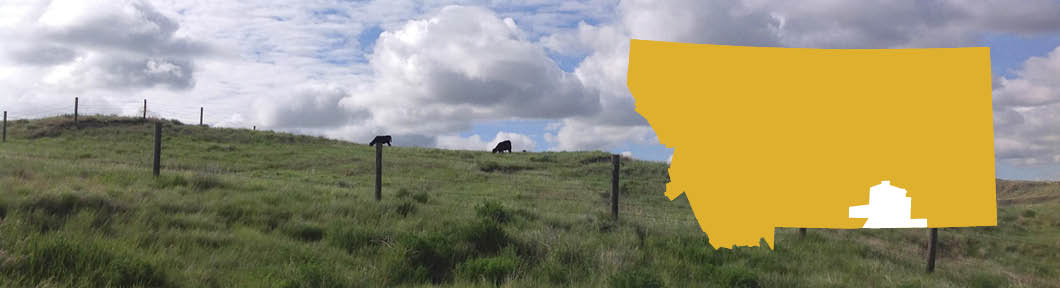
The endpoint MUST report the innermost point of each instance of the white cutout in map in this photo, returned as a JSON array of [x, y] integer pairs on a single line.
[[888, 208]]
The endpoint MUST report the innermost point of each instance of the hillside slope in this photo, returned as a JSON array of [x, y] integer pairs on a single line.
[[79, 207]]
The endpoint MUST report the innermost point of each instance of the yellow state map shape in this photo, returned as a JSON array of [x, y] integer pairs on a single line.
[[792, 137]]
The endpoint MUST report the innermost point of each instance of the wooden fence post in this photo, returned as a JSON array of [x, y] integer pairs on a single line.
[[378, 171], [75, 111], [5, 127], [932, 246], [145, 109], [158, 148], [615, 159], [802, 232], [200, 116]]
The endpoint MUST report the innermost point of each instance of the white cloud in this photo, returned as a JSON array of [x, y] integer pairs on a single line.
[[714, 22], [440, 74], [897, 24], [473, 142], [312, 106], [627, 154], [438, 70], [1027, 113], [466, 64], [66, 47], [1035, 84], [577, 134]]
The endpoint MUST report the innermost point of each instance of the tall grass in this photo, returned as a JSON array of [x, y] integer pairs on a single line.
[[238, 208]]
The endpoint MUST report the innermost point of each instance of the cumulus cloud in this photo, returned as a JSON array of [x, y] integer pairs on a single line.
[[465, 64], [715, 22], [318, 68], [577, 134], [313, 106], [603, 70], [1027, 113], [436, 75], [604, 67], [433, 74], [112, 45], [475, 142], [1035, 84]]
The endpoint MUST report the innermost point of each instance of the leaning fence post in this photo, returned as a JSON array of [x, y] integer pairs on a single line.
[[615, 159], [75, 111], [158, 148], [378, 171], [932, 246]]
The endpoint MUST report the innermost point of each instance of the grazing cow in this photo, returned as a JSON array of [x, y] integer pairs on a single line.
[[380, 140], [503, 146]]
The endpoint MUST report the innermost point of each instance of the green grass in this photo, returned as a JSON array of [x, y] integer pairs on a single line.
[[239, 208]]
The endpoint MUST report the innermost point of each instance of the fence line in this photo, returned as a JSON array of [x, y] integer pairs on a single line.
[[187, 115], [997, 238]]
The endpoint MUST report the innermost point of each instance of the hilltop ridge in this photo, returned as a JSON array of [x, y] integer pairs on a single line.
[[236, 207]]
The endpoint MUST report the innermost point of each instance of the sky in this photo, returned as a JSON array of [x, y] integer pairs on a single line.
[[548, 75]]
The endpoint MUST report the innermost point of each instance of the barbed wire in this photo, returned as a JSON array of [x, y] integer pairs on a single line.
[[671, 213], [992, 237], [683, 222], [88, 107]]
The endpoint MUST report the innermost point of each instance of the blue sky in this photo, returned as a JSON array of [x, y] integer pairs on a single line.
[[1007, 51], [466, 74]]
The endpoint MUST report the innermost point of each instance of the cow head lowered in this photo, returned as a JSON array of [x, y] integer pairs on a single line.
[[505, 145], [380, 140]]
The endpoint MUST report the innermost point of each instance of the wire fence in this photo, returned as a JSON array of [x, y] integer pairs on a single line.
[[583, 195], [583, 200], [579, 200], [211, 113]]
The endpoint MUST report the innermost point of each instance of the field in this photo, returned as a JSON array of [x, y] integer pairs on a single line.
[[239, 208]]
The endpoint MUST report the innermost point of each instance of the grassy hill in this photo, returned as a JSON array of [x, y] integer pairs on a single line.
[[79, 207]]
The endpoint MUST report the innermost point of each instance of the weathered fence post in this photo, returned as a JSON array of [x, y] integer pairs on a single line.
[[158, 147], [255, 127], [145, 109], [802, 232], [932, 246], [616, 159], [378, 171], [200, 116], [75, 111], [5, 127]]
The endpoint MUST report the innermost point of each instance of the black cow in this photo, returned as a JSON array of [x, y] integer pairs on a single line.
[[503, 146], [380, 140]]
